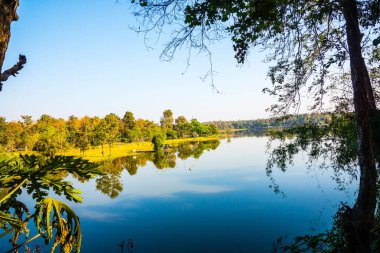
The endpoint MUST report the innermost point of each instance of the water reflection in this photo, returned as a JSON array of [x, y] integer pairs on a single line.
[[110, 183], [211, 202]]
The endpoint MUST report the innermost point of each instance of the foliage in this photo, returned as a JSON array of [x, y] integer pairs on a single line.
[[111, 122], [284, 122], [128, 133], [109, 184], [49, 136], [51, 213], [39, 175], [158, 141], [163, 159], [330, 241], [332, 145], [167, 120], [334, 141], [182, 126]]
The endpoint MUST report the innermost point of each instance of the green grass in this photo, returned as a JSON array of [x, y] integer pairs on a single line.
[[128, 149], [119, 149]]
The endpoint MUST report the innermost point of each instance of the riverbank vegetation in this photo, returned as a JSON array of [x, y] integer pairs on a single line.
[[96, 137], [263, 125]]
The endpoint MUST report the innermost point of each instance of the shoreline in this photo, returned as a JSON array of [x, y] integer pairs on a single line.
[[121, 149]]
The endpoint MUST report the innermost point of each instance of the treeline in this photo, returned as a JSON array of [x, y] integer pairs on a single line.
[[261, 125], [49, 135]]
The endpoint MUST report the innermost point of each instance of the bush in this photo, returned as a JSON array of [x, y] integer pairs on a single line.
[[158, 141]]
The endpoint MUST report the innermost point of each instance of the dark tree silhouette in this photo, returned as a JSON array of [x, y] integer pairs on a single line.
[[8, 14]]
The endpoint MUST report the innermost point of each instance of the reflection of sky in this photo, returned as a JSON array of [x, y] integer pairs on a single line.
[[218, 203]]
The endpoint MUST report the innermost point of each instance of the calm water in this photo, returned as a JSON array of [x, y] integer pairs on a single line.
[[204, 198]]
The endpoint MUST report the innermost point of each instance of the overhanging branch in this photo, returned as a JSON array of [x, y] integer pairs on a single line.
[[12, 71]]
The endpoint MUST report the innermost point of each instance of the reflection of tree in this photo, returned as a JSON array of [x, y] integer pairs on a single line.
[[195, 149], [164, 159], [333, 146], [132, 163], [185, 151], [334, 142], [110, 185]]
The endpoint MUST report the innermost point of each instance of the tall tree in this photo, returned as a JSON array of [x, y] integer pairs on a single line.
[[129, 120], [82, 134], [167, 120], [111, 129], [308, 41], [129, 123], [100, 134], [182, 126], [28, 136]]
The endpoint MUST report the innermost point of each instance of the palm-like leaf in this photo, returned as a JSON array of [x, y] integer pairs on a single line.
[[55, 216], [6, 220], [43, 174], [39, 175]]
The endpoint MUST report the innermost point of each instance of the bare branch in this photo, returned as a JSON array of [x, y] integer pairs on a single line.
[[13, 71]]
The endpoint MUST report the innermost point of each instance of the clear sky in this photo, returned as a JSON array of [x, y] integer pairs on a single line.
[[83, 59]]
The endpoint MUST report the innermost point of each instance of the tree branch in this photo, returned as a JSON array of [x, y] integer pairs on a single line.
[[12, 71]]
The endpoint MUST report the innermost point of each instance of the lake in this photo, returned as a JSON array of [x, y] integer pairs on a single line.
[[204, 197]]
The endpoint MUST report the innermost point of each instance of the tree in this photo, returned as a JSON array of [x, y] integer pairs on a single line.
[[212, 129], [82, 135], [28, 137], [100, 135], [72, 125], [8, 14], [146, 129], [129, 120], [14, 134], [182, 126], [129, 123], [47, 142], [197, 128], [167, 120], [111, 122], [61, 135], [308, 41], [158, 141], [3, 132]]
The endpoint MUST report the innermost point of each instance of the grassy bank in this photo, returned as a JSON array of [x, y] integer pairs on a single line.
[[120, 149], [126, 149]]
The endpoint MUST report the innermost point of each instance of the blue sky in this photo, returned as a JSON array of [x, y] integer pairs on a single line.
[[83, 59]]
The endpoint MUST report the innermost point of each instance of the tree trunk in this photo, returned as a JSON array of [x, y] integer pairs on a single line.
[[363, 211], [7, 15]]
